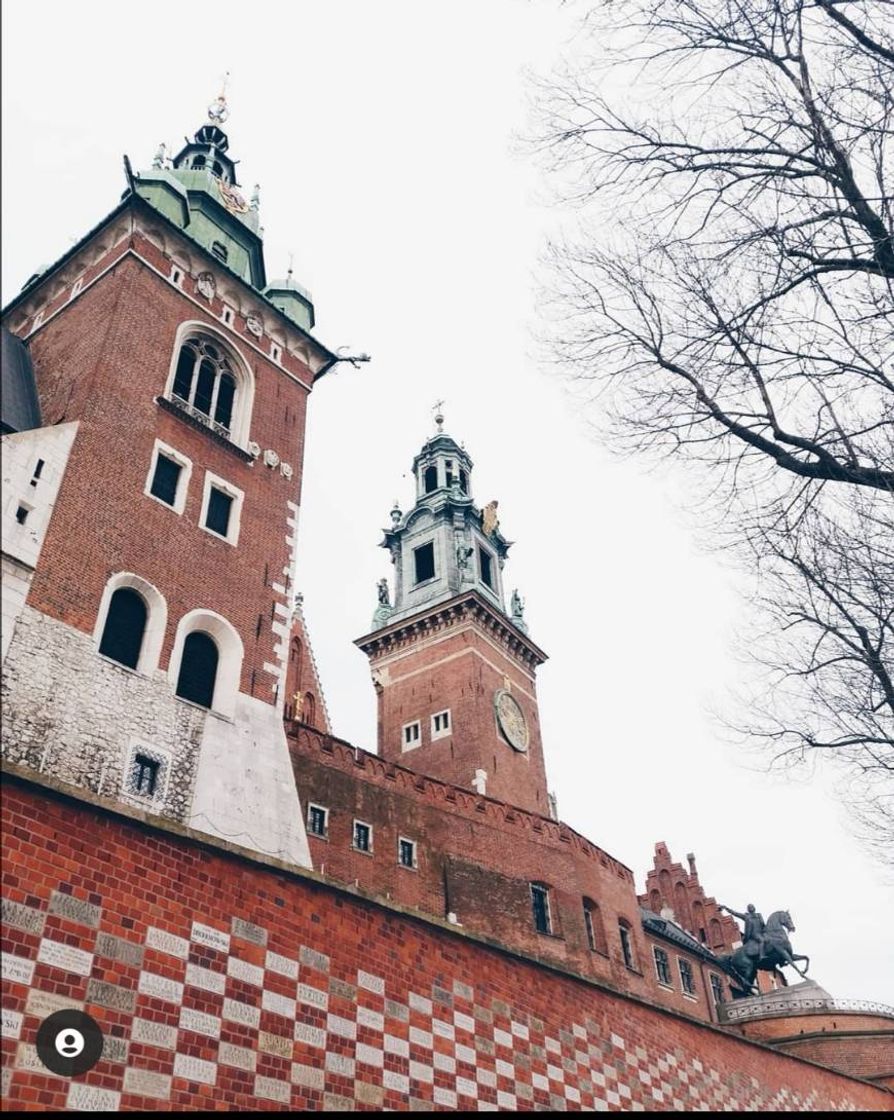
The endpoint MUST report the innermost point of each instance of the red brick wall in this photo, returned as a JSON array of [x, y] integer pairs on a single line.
[[230, 987], [460, 669], [103, 360]]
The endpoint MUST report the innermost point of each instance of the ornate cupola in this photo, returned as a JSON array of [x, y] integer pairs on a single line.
[[444, 544], [453, 669]]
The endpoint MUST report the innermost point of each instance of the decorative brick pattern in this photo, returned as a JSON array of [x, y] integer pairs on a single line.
[[333, 1002]]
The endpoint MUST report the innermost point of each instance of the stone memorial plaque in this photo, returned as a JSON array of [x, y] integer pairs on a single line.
[[160, 987], [242, 970], [373, 1056], [310, 1036], [199, 1022], [11, 1023], [464, 1022], [344, 1028], [75, 909], [397, 1081], [375, 1020], [23, 917], [312, 959], [282, 965], [146, 1083], [279, 1005], [274, 1044], [273, 1090], [154, 1034], [343, 989], [195, 1069], [27, 1059], [90, 1098], [66, 957], [248, 931], [211, 938], [117, 949], [371, 983], [397, 1011], [42, 1004], [309, 1076], [398, 1046], [166, 942], [238, 1012], [338, 1063], [5, 1081], [239, 1056], [369, 1094], [206, 979], [314, 996], [17, 970], [111, 995], [114, 1050]]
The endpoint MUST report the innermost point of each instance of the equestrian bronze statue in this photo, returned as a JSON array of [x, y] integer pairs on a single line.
[[765, 948]]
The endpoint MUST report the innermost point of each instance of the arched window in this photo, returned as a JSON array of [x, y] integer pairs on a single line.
[[122, 635], [198, 669], [309, 710], [204, 380], [198, 163], [626, 935], [716, 933], [431, 479], [595, 927]]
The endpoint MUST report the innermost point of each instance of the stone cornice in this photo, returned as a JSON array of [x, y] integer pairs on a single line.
[[444, 616]]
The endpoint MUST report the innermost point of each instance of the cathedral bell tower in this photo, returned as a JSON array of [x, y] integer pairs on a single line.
[[453, 669]]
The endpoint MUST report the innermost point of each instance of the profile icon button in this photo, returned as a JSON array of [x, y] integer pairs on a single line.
[[69, 1043]]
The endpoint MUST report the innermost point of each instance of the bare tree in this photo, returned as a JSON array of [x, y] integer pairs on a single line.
[[729, 297]]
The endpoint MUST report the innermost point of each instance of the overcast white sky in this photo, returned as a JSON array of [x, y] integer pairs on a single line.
[[383, 139]]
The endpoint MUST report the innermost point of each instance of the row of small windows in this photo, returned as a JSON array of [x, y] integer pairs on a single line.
[[593, 924], [168, 482], [361, 835], [441, 726], [424, 565]]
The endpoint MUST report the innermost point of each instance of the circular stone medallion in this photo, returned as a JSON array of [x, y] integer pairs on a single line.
[[511, 719]]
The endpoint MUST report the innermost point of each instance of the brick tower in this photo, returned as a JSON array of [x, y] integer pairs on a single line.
[[152, 490], [453, 670]]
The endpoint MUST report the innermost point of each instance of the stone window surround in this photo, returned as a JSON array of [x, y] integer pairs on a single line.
[[245, 383], [185, 465], [687, 992], [229, 664], [656, 949], [445, 731], [324, 835], [163, 755], [411, 744], [156, 619], [363, 851], [414, 866], [218, 483]]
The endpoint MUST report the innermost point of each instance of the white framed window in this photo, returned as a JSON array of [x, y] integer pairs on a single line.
[[168, 478], [411, 735], [275, 352], [76, 287], [195, 668], [362, 837], [221, 508], [441, 725], [662, 967], [131, 622], [144, 778], [227, 315], [687, 977], [318, 820], [406, 853], [176, 275]]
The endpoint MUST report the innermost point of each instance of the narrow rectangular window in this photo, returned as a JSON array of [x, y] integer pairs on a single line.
[[662, 966], [717, 988], [486, 568], [275, 352], [406, 852], [412, 735], [165, 479], [540, 907], [145, 775], [626, 944], [687, 979], [22, 514], [38, 470], [317, 819], [424, 558], [362, 837], [217, 517], [440, 724]]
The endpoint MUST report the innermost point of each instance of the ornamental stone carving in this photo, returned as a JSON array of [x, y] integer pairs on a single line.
[[271, 459], [205, 285], [254, 449], [286, 470], [254, 325]]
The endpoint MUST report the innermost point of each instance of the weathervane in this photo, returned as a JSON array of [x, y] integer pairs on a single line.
[[217, 110]]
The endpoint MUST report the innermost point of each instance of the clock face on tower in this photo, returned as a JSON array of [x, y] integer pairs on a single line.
[[511, 719]]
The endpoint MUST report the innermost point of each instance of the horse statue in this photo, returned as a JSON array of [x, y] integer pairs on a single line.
[[765, 952]]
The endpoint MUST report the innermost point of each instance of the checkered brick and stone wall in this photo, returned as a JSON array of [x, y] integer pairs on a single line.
[[224, 982]]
